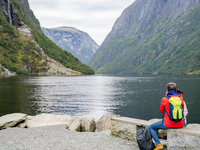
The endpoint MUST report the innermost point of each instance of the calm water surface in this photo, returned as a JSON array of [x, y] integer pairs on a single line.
[[93, 96]]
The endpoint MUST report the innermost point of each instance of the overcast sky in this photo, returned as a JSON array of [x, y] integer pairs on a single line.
[[96, 17]]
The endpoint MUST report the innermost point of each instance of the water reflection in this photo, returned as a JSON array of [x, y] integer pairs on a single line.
[[94, 96], [83, 96]]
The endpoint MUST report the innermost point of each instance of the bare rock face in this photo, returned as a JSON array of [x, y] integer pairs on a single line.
[[24, 4], [16, 20], [88, 125], [11, 15], [77, 42], [104, 123], [47, 119], [26, 30], [11, 120]]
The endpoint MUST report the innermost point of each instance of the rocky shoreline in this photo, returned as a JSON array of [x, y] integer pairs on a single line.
[[19, 131], [73, 123], [65, 132]]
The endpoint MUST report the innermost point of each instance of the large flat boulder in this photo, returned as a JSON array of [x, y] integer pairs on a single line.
[[47, 119], [104, 123], [11, 120], [88, 125]]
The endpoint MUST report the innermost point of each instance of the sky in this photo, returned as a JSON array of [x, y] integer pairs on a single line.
[[95, 17]]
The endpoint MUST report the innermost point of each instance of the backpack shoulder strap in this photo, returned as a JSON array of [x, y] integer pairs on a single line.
[[165, 111]]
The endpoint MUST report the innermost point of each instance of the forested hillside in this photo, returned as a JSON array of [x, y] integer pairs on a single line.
[[20, 53], [152, 37]]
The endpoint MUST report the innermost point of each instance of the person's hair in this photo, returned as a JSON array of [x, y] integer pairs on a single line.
[[171, 86], [179, 91]]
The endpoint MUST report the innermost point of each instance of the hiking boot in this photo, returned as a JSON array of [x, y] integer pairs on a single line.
[[158, 147]]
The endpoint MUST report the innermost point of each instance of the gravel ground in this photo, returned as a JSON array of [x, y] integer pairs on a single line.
[[59, 138]]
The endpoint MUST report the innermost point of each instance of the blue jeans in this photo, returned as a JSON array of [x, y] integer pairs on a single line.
[[156, 126], [185, 122]]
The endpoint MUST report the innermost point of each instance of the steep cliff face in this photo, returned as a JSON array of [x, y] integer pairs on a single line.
[[77, 42], [137, 17], [11, 15], [29, 15], [24, 49], [152, 36]]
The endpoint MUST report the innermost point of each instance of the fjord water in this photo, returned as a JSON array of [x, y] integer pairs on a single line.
[[136, 96]]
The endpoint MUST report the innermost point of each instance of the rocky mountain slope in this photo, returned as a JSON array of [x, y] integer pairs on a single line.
[[77, 42], [24, 49], [152, 36]]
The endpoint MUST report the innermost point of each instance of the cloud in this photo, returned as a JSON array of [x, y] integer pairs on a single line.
[[96, 17]]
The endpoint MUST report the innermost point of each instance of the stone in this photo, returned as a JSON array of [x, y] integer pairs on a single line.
[[124, 130], [88, 125], [75, 124], [26, 30], [11, 120], [104, 123], [67, 127], [24, 124], [162, 134], [128, 131], [30, 117], [193, 126], [177, 141], [47, 119]]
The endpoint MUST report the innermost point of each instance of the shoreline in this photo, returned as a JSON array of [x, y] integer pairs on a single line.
[[44, 133], [73, 123], [19, 131]]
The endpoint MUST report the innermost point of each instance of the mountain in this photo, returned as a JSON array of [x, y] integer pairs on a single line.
[[77, 42], [152, 36], [24, 49]]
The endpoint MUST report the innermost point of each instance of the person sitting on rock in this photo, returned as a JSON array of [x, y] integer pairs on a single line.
[[166, 122]]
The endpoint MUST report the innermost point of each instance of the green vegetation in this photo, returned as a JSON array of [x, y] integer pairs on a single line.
[[9, 54], [17, 52], [64, 57], [49, 47], [168, 46]]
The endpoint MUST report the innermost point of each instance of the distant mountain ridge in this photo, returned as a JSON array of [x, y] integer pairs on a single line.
[[152, 36], [77, 42]]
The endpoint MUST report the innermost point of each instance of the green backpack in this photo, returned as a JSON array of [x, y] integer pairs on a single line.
[[175, 109]]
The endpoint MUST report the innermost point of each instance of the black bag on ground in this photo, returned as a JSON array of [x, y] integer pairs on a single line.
[[144, 139]]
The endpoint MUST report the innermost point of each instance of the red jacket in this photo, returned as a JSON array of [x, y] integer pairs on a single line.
[[166, 121]]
